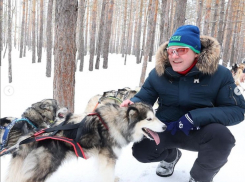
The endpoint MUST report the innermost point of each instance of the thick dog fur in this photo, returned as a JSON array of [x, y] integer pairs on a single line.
[[38, 160], [107, 97], [42, 114], [237, 71]]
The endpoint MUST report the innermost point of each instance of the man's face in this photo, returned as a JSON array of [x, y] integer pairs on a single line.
[[181, 58]]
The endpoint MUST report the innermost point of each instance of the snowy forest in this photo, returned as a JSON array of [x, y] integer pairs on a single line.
[[68, 30]]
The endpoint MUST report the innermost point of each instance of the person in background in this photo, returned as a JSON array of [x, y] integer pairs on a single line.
[[196, 101]]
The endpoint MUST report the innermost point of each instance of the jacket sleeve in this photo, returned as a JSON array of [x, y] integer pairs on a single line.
[[228, 109], [147, 92]]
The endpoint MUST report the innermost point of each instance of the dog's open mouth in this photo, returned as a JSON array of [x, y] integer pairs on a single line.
[[61, 115], [152, 135]]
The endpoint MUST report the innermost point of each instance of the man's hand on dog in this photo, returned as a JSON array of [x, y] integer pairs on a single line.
[[126, 103]]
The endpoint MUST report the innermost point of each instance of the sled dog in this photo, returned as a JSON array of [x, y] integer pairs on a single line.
[[42, 114], [237, 71], [101, 135], [112, 96]]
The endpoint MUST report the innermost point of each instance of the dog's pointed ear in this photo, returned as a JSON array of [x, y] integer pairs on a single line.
[[132, 113]]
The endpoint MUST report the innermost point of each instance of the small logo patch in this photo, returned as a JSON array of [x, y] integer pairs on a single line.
[[175, 38]]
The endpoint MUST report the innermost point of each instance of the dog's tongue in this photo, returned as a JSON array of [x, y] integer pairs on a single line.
[[154, 135]]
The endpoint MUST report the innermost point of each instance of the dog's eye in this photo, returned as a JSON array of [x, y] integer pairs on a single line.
[[148, 119]]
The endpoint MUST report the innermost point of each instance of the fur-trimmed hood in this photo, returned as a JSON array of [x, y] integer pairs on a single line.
[[208, 59]]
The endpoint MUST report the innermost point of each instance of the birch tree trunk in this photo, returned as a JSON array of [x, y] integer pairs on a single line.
[[108, 34], [26, 29], [100, 34], [1, 30], [65, 53], [81, 53], [40, 47], [9, 41], [126, 43], [137, 51], [22, 28], [15, 24], [92, 36], [149, 37], [124, 29], [86, 31], [49, 38], [33, 31], [144, 33]]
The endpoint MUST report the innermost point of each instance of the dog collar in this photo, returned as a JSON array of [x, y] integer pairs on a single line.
[[8, 129]]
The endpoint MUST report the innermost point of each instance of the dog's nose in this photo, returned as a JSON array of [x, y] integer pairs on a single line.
[[164, 127]]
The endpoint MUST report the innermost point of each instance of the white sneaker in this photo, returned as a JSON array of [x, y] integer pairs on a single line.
[[165, 169]]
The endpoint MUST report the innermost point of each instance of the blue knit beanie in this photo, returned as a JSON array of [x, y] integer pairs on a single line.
[[187, 36]]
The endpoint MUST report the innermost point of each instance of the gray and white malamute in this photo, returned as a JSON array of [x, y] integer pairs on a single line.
[[41, 114], [101, 135]]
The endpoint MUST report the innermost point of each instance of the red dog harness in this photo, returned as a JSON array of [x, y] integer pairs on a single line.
[[76, 146]]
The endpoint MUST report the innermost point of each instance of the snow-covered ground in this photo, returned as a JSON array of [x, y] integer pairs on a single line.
[[31, 85]]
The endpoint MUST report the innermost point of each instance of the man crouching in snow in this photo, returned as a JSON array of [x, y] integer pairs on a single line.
[[196, 101]]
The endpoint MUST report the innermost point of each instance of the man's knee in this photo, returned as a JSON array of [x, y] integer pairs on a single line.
[[139, 154], [220, 135]]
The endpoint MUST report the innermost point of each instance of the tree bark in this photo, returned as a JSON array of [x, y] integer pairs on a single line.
[[22, 28], [15, 24], [207, 17], [86, 31], [126, 44], [25, 31], [153, 33], [1, 30], [92, 36], [199, 13], [144, 34], [40, 33], [215, 20], [179, 17], [81, 53], [65, 53], [149, 37], [124, 29], [100, 34], [228, 41], [9, 41], [162, 22], [221, 22], [33, 31], [137, 51], [130, 29], [49, 38], [108, 34]]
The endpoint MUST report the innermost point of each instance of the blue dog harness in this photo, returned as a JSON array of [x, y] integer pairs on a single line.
[[8, 129]]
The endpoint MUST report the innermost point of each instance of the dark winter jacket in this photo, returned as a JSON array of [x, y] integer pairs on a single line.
[[206, 92]]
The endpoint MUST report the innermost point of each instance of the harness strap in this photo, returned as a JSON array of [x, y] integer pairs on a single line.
[[101, 120], [8, 129], [76, 146]]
